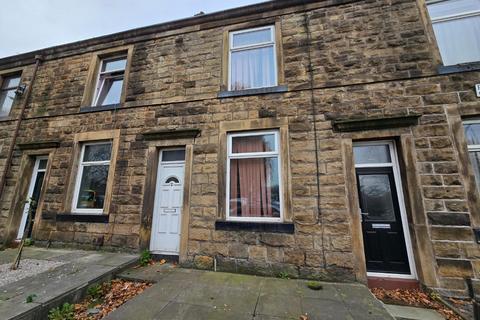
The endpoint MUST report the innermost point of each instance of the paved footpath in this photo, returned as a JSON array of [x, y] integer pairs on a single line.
[[67, 282], [192, 294]]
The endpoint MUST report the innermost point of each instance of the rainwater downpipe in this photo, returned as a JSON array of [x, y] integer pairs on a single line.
[[3, 179]]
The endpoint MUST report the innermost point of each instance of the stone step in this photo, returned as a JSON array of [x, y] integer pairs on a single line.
[[413, 313]]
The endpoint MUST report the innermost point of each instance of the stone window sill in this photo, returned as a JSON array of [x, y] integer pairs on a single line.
[[270, 227], [5, 118], [99, 108], [471, 66], [251, 92], [72, 217]]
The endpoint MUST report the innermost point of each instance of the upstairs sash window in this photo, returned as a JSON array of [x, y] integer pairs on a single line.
[[456, 24], [252, 59], [110, 81], [7, 93]]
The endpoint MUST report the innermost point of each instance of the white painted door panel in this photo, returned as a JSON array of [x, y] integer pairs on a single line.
[[167, 213]]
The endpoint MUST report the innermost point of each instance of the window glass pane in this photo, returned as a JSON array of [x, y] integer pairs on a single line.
[[452, 7], [97, 152], [475, 160], [253, 68], [376, 197], [458, 40], [92, 187], [254, 188], [252, 37], [6, 101], [260, 143], [173, 155], [111, 91], [472, 133], [11, 82], [42, 164], [372, 154], [114, 64]]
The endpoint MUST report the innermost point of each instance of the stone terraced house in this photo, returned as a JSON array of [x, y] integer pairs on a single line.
[[333, 139]]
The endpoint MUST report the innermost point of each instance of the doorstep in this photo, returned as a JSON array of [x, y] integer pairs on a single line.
[[392, 283], [413, 313]]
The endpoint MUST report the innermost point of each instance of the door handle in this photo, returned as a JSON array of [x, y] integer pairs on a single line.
[[364, 213]]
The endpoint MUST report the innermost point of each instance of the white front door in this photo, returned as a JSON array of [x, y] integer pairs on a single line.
[[167, 211]]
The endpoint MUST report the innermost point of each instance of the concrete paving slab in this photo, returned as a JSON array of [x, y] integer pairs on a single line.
[[279, 306], [328, 309], [205, 295], [412, 313], [182, 311], [65, 283]]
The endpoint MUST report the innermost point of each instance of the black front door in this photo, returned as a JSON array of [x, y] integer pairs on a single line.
[[383, 237], [34, 200]]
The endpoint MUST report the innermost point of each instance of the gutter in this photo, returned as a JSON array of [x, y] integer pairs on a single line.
[[3, 179]]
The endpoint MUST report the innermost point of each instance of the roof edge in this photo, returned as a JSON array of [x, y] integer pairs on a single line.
[[29, 57]]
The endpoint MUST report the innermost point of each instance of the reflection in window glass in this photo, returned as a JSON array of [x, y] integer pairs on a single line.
[[7, 94], [92, 177], [254, 188], [92, 187], [110, 81], [258, 143], [376, 197], [97, 152], [472, 133], [372, 154], [254, 177], [252, 59], [42, 164], [173, 155], [252, 37], [456, 24]]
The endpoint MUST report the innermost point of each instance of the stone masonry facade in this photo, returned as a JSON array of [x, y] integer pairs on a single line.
[[342, 60]]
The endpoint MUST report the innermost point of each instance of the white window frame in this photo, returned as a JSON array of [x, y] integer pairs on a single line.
[[248, 155], [2, 90], [472, 147], [451, 17], [78, 182], [271, 43], [113, 74]]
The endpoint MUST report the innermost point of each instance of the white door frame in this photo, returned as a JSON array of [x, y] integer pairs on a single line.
[[157, 198], [394, 164], [31, 187]]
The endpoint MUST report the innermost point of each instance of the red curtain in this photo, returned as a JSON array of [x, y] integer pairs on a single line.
[[249, 190]]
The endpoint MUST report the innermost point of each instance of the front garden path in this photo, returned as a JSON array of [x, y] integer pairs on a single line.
[[197, 295]]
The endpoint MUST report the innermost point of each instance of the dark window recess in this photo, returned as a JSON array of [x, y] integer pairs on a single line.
[[255, 226]]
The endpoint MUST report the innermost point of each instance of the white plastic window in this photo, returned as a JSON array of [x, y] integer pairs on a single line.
[[254, 188], [253, 60], [456, 24], [91, 184], [110, 81]]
